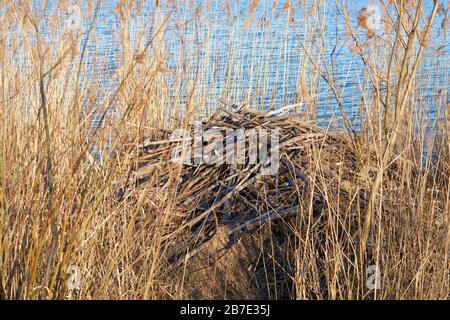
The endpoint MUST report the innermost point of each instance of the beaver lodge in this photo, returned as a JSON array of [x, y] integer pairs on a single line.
[[237, 229]]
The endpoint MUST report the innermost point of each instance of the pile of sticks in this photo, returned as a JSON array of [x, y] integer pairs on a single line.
[[316, 168]]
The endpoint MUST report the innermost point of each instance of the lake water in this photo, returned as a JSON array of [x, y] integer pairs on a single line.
[[263, 62]]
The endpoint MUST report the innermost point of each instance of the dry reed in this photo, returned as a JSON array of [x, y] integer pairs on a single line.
[[80, 191]]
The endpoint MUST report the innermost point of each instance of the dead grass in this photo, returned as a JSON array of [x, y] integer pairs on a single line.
[[85, 193]]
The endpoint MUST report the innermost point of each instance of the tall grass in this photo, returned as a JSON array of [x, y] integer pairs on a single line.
[[68, 143]]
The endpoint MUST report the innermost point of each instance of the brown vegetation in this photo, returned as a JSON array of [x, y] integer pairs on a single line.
[[103, 196]]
